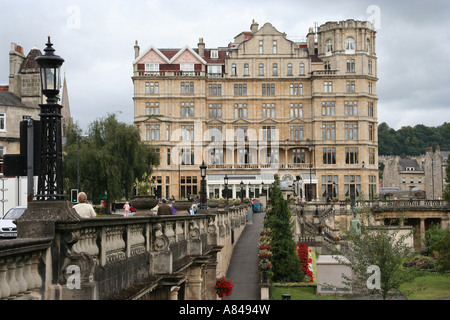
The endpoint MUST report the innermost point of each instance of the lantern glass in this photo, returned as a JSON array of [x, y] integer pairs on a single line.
[[225, 180], [203, 170], [50, 78]]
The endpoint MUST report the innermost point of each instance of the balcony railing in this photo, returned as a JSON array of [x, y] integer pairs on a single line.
[[177, 73], [222, 166]]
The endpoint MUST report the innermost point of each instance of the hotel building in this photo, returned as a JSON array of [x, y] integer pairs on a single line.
[[264, 105]]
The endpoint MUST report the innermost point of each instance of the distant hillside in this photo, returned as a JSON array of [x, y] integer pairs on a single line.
[[412, 141]]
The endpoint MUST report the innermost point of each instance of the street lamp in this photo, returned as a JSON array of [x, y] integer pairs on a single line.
[[50, 178], [225, 180], [242, 191], [203, 204]]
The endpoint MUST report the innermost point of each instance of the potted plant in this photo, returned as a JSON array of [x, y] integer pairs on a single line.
[[182, 206], [145, 200]]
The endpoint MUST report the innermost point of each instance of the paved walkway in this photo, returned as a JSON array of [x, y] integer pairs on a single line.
[[243, 268]]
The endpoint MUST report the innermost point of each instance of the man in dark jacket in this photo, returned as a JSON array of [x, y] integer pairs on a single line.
[[164, 209]]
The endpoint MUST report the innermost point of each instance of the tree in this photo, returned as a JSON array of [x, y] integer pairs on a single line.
[[446, 194], [377, 247], [111, 157], [438, 241], [285, 260]]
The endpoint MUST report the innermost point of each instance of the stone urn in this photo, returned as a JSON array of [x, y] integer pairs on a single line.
[[213, 204], [144, 204], [182, 206]]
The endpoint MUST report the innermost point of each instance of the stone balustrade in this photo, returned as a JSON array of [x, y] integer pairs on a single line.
[[104, 257]]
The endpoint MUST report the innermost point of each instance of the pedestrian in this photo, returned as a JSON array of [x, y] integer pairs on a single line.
[[126, 207], [84, 209], [164, 209], [191, 210]]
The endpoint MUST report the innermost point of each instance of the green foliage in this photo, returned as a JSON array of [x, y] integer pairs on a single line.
[[438, 241], [284, 256], [412, 141], [446, 194], [111, 156], [381, 247]]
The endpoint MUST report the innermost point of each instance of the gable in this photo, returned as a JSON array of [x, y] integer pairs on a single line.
[[187, 55], [152, 57]]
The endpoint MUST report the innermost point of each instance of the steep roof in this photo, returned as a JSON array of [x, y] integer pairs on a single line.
[[9, 99], [30, 63]]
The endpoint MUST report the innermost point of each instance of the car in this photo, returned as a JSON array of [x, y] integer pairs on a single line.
[[8, 230]]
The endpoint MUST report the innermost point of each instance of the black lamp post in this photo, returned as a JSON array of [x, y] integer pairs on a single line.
[[242, 191], [203, 200], [225, 180], [50, 178]]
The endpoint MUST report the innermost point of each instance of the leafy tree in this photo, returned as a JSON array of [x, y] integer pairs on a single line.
[[438, 241], [381, 247], [446, 195], [286, 264], [111, 157]]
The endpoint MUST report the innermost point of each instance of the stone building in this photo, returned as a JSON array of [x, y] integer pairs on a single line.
[[425, 172], [264, 105]]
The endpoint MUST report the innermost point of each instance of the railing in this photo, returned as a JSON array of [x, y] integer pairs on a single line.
[[112, 253], [319, 73], [19, 261], [175, 73], [259, 166]]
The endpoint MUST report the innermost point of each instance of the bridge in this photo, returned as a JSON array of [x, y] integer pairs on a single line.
[[60, 256]]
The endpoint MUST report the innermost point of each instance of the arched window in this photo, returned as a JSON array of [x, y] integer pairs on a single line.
[[349, 45], [329, 46]]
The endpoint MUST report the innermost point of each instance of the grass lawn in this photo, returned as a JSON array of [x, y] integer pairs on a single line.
[[430, 287], [299, 293]]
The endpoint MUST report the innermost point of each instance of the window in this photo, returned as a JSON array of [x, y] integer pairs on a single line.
[[240, 133], [240, 89], [328, 131], [187, 156], [246, 69], [351, 108], [289, 69], [233, 69], [351, 155], [275, 69], [168, 132], [240, 111], [215, 89], [274, 47], [350, 65], [268, 110], [216, 156], [370, 88], [329, 155], [296, 89], [187, 109], [188, 185], [260, 47], [329, 47], [302, 69], [152, 67], [152, 132], [371, 155], [215, 134], [372, 186], [151, 108], [261, 69], [215, 111], [168, 156], [298, 156], [371, 132], [268, 133], [296, 133], [370, 112], [152, 88], [268, 89], [188, 67], [370, 67], [187, 133], [187, 88], [296, 111], [350, 86], [351, 131], [214, 54], [352, 187], [328, 86], [328, 108], [329, 187], [349, 45]]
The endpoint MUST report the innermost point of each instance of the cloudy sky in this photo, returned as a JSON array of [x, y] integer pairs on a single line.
[[96, 39]]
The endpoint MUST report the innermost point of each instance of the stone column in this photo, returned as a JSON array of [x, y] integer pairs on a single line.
[[422, 232], [194, 283]]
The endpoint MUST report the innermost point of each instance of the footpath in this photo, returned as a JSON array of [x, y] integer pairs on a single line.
[[243, 268]]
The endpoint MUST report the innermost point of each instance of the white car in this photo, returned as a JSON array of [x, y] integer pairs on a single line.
[[8, 229]]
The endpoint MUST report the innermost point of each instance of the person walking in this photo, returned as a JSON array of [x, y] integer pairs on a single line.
[[126, 207]]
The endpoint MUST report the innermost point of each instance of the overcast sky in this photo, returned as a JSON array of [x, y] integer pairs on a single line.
[[96, 39]]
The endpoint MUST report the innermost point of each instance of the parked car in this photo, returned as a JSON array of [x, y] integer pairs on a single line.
[[8, 230]]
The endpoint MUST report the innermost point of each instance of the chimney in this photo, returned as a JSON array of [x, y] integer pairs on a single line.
[[310, 42], [136, 50], [201, 47], [254, 26]]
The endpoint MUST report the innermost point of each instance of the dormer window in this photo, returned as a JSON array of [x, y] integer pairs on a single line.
[[214, 54]]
